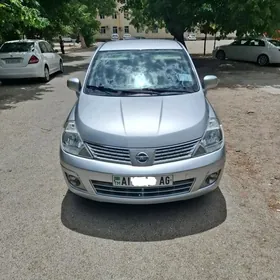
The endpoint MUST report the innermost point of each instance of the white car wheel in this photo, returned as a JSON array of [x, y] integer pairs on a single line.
[[46, 74]]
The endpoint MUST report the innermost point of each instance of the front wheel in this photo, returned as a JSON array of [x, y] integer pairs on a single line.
[[263, 60]]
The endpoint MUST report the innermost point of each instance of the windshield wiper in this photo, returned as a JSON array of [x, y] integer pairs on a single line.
[[141, 91], [119, 92], [165, 90]]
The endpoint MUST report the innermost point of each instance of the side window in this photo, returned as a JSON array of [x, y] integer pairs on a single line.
[[261, 43], [43, 47], [48, 47]]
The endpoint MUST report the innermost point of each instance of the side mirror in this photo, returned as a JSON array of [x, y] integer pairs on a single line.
[[56, 51], [210, 82], [75, 85]]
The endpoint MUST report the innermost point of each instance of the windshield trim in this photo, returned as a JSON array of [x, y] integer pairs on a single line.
[[197, 84]]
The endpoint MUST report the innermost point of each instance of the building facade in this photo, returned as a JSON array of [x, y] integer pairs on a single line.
[[120, 23]]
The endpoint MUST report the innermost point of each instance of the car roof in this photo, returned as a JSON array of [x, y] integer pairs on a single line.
[[149, 44], [26, 41]]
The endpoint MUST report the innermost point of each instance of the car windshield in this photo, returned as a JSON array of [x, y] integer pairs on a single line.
[[274, 42], [17, 47], [136, 70]]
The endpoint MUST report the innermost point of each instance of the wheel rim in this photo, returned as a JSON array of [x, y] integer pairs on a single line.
[[263, 60], [47, 75]]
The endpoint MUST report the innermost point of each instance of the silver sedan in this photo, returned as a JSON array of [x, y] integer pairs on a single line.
[[142, 130]]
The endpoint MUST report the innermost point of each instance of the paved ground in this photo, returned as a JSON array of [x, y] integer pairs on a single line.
[[48, 233]]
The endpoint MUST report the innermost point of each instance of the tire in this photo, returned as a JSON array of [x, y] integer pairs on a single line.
[[46, 74], [61, 68], [263, 60], [221, 55]]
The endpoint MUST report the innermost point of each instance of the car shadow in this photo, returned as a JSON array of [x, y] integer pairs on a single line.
[[21, 90], [143, 223], [69, 69]]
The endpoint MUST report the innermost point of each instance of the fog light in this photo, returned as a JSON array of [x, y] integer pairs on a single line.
[[74, 181], [212, 178]]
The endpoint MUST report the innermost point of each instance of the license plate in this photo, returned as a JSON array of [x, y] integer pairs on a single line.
[[13, 60], [149, 181]]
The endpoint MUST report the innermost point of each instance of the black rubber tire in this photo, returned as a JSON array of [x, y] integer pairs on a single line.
[[61, 68], [221, 55], [263, 60], [47, 74]]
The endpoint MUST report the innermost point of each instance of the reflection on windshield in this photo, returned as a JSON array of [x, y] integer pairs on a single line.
[[136, 70]]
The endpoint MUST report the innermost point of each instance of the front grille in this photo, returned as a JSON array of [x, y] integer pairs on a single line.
[[113, 154], [107, 189], [175, 152]]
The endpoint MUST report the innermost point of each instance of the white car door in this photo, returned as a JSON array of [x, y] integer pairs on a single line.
[[238, 50], [254, 48], [46, 56], [51, 57]]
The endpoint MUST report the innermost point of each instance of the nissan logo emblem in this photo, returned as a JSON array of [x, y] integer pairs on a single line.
[[142, 157]]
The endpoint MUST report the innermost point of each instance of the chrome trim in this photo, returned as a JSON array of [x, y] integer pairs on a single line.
[[175, 152], [111, 154]]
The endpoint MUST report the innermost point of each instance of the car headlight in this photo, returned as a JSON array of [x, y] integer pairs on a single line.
[[72, 142], [212, 140]]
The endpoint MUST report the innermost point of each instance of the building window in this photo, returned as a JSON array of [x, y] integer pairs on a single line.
[[102, 16], [139, 30], [103, 30], [155, 30], [126, 16], [115, 29], [126, 29], [114, 16]]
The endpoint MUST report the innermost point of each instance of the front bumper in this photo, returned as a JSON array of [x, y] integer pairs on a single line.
[[195, 170]]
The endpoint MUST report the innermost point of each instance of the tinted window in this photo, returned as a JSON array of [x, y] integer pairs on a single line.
[[17, 47], [138, 69]]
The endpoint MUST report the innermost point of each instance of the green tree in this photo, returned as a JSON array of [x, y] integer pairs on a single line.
[[227, 16]]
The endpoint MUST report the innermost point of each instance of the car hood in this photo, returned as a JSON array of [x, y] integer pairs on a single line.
[[141, 121]]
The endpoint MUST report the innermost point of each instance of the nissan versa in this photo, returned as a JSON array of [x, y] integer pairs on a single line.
[[142, 130]]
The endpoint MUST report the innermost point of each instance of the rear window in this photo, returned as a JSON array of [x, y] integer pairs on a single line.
[[136, 69], [17, 47]]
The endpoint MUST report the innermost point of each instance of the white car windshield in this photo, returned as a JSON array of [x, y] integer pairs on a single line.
[[142, 69]]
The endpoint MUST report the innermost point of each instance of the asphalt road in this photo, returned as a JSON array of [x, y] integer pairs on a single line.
[[48, 233]]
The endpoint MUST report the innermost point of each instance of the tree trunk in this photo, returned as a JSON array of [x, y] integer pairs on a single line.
[[205, 40], [215, 41], [180, 38], [83, 43]]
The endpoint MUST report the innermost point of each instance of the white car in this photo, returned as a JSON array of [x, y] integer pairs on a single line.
[[264, 51], [29, 59], [115, 37], [191, 37], [126, 36]]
